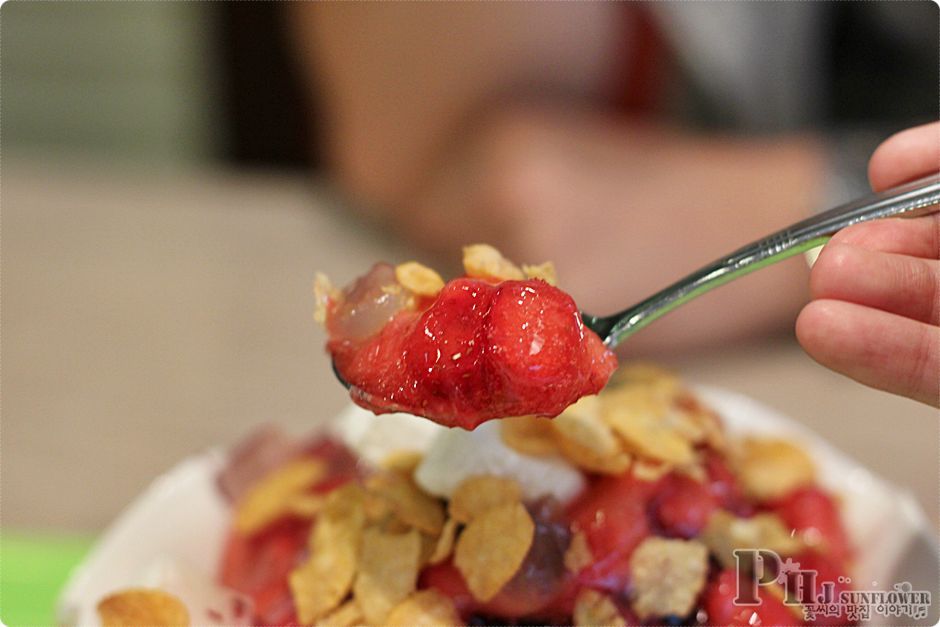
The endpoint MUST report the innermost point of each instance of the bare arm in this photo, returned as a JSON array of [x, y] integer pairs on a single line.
[[401, 82], [466, 123]]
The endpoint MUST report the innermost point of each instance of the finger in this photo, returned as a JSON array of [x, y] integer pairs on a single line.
[[903, 285], [905, 156], [879, 349], [918, 237]]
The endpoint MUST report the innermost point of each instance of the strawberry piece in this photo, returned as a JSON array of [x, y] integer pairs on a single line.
[[613, 517], [719, 604], [541, 588], [446, 579], [826, 572], [446, 349], [724, 486], [814, 513], [258, 567], [683, 506], [479, 351]]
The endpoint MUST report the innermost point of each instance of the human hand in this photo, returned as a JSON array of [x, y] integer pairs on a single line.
[[875, 313]]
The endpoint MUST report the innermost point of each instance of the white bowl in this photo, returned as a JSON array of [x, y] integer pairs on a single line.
[[174, 531]]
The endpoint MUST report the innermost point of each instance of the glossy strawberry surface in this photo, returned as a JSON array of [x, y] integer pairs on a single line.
[[478, 351]]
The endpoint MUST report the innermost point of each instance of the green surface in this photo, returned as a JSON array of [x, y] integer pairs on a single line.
[[33, 569]]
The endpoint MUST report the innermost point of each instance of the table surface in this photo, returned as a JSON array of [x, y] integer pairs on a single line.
[[149, 315]]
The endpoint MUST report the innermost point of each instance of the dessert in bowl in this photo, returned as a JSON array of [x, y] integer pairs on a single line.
[[178, 534], [625, 508]]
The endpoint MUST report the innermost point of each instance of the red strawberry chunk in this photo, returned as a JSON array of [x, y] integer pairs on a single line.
[[613, 517], [815, 515], [719, 603], [683, 507], [479, 351]]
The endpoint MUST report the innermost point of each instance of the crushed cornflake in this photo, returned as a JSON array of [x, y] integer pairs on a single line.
[[482, 261], [324, 292], [444, 544], [638, 415], [346, 615], [305, 505], [585, 439], [388, 571], [419, 279], [578, 555], [321, 583], [377, 508], [478, 494], [695, 472], [770, 468], [425, 608], [725, 532], [403, 462], [596, 609], [407, 502], [645, 470], [529, 435], [667, 576], [544, 271], [700, 424], [492, 547], [142, 606], [665, 382], [271, 497]]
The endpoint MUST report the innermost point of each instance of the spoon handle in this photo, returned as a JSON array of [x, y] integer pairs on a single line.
[[909, 200]]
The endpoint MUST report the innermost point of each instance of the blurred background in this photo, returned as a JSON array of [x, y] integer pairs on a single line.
[[174, 173]]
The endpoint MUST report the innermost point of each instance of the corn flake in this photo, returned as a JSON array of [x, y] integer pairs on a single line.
[[482, 261], [388, 571], [346, 615], [645, 470], [544, 271], [529, 435], [667, 576], [725, 532], [418, 278], [639, 418], [771, 468], [320, 584], [702, 421], [492, 547], [444, 545], [270, 498], [142, 606], [595, 609], [403, 462], [408, 502], [425, 608], [305, 505], [475, 495], [578, 555], [587, 441], [649, 375]]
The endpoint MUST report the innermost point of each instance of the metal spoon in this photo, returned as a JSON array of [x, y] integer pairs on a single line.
[[910, 200]]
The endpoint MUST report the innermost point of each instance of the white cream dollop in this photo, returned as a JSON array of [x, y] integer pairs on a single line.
[[456, 454], [373, 438], [452, 454]]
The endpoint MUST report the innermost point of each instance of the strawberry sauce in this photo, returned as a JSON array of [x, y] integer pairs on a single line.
[[475, 352]]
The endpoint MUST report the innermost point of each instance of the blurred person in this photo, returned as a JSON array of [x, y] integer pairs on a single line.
[[628, 142], [875, 313]]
